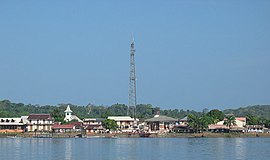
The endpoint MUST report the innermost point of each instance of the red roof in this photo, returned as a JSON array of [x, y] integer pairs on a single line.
[[76, 123], [63, 126], [241, 119], [90, 127], [40, 116]]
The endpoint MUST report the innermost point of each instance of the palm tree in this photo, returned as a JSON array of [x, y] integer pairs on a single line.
[[229, 121], [198, 123], [193, 122]]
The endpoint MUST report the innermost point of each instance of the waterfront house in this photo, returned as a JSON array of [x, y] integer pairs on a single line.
[[93, 125], [71, 127], [182, 128], [94, 128], [239, 126], [161, 124], [63, 128], [183, 121], [218, 128], [125, 123], [256, 129], [239, 122], [12, 125], [39, 122], [93, 121]]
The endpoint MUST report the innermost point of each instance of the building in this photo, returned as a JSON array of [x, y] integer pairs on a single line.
[[161, 124], [69, 117], [183, 121], [239, 122], [218, 128], [256, 129], [93, 121], [94, 128], [124, 122], [39, 122], [12, 125], [93, 125], [63, 128], [239, 126]]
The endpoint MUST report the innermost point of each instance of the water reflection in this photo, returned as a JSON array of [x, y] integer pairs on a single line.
[[240, 148], [68, 149]]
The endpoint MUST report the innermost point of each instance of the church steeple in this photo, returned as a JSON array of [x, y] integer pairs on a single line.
[[68, 112]]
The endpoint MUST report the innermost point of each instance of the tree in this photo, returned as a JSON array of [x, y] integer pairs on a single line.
[[58, 115], [109, 124], [205, 121], [229, 121], [194, 122], [216, 115]]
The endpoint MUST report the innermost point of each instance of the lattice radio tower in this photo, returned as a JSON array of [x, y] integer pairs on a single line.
[[132, 81]]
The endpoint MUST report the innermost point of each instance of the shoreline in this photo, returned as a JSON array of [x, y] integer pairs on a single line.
[[126, 135]]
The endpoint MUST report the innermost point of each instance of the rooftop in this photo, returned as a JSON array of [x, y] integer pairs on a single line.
[[68, 109], [160, 118], [63, 126], [40, 116], [11, 121], [121, 118]]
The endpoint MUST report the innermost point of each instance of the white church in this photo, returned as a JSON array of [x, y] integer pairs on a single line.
[[69, 117]]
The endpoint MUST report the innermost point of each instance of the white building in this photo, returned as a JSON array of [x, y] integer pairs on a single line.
[[12, 125], [39, 122], [239, 122], [69, 117], [124, 122]]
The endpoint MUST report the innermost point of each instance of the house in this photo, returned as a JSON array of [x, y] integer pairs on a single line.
[[39, 122], [93, 121], [182, 128], [161, 124], [63, 128], [71, 127], [14, 125], [93, 125], [239, 122], [183, 121], [239, 126], [125, 123], [94, 128], [69, 117], [218, 128], [256, 128]]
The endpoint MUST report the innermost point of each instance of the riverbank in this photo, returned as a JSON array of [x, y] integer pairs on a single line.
[[133, 135]]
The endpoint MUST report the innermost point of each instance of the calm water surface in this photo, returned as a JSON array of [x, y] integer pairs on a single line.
[[134, 148]]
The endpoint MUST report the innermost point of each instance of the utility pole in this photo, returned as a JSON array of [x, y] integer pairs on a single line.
[[132, 81]]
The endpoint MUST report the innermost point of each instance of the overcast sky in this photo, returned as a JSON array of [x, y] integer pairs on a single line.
[[189, 54]]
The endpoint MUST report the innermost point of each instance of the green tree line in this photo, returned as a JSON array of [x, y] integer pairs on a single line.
[[143, 111]]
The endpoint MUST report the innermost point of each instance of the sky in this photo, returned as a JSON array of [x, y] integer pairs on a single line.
[[190, 54]]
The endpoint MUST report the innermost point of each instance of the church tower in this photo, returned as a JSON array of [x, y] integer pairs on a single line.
[[68, 112]]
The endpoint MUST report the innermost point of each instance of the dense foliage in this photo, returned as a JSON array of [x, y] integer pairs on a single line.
[[109, 124], [143, 111]]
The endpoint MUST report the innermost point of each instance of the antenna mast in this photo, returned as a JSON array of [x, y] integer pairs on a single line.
[[132, 81]]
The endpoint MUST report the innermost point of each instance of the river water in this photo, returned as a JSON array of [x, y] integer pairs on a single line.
[[133, 148]]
